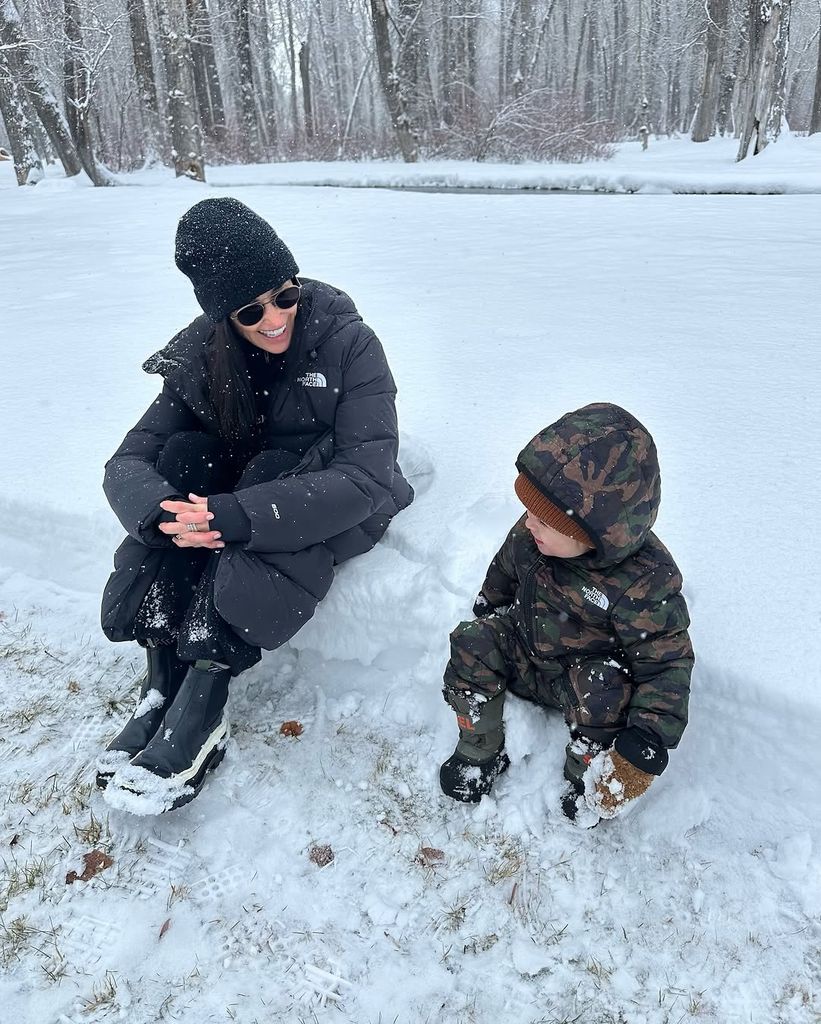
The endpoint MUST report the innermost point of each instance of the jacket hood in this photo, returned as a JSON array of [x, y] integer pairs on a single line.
[[600, 466]]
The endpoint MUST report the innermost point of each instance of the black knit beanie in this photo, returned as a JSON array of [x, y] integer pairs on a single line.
[[231, 255]]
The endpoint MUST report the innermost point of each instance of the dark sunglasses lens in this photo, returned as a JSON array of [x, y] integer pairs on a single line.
[[287, 297], [250, 315]]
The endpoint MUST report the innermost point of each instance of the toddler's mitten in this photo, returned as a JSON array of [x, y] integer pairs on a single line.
[[611, 783], [482, 607]]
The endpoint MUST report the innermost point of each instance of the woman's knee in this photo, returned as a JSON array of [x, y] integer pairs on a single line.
[[267, 466], [198, 462]]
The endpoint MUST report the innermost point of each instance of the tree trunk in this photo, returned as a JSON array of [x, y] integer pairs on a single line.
[[38, 91], [77, 80], [144, 68], [577, 65], [267, 89], [506, 17], [704, 125], [616, 98], [290, 43], [204, 65], [590, 91], [766, 68], [470, 31], [389, 80], [248, 113], [409, 57], [815, 114], [182, 113], [524, 40], [28, 167], [305, 76], [728, 104], [655, 121], [446, 65], [536, 51]]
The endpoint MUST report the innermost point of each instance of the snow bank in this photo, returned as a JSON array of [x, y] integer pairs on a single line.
[[792, 165]]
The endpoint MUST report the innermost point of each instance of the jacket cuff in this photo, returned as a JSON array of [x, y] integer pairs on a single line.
[[642, 750], [229, 518], [166, 517], [150, 527]]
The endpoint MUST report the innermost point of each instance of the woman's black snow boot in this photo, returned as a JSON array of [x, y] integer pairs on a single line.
[[158, 688], [469, 781], [189, 742]]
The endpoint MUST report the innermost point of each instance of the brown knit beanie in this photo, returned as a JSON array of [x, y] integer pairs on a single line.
[[551, 515]]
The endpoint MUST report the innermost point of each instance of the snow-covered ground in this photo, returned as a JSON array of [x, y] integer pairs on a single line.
[[498, 313]]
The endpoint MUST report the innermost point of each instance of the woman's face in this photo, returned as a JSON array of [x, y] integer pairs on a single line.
[[274, 331]]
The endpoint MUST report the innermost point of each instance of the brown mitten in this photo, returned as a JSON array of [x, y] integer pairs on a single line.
[[611, 783]]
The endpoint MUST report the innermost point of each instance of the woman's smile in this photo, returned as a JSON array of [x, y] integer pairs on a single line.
[[274, 331]]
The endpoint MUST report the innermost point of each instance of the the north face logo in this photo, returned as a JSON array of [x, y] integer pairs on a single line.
[[596, 597], [312, 380]]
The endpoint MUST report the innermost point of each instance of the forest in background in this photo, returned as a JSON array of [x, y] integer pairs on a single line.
[[110, 85]]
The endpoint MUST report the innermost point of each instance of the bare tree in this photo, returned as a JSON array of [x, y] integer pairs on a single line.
[[391, 84], [182, 109], [245, 67], [144, 70], [79, 74], [204, 65], [37, 89], [769, 27], [28, 167], [815, 115], [704, 125], [305, 78]]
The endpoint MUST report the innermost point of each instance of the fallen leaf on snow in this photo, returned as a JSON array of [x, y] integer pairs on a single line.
[[291, 728], [95, 861], [321, 855], [429, 855], [164, 928]]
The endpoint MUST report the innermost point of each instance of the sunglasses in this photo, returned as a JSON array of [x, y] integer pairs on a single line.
[[255, 311]]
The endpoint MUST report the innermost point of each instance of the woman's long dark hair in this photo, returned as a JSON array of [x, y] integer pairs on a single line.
[[230, 386]]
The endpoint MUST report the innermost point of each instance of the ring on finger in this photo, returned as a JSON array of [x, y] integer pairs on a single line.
[[191, 526]]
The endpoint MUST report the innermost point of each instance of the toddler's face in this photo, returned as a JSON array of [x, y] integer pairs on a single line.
[[551, 542]]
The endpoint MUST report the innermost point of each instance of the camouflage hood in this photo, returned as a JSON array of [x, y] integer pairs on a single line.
[[599, 465]]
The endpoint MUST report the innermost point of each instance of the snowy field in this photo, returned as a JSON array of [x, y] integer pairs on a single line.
[[498, 313]]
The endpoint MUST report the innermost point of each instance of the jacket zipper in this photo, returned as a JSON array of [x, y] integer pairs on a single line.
[[528, 595]]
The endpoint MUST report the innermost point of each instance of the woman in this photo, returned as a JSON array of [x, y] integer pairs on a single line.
[[268, 458]]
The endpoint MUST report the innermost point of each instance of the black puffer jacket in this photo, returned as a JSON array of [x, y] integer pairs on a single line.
[[332, 404]]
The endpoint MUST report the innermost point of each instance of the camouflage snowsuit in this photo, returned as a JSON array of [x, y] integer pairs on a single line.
[[601, 637]]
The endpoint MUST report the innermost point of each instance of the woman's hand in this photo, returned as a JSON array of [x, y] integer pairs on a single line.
[[191, 530]]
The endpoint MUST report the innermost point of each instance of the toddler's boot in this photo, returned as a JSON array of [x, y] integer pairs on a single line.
[[158, 688], [479, 758], [468, 781]]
